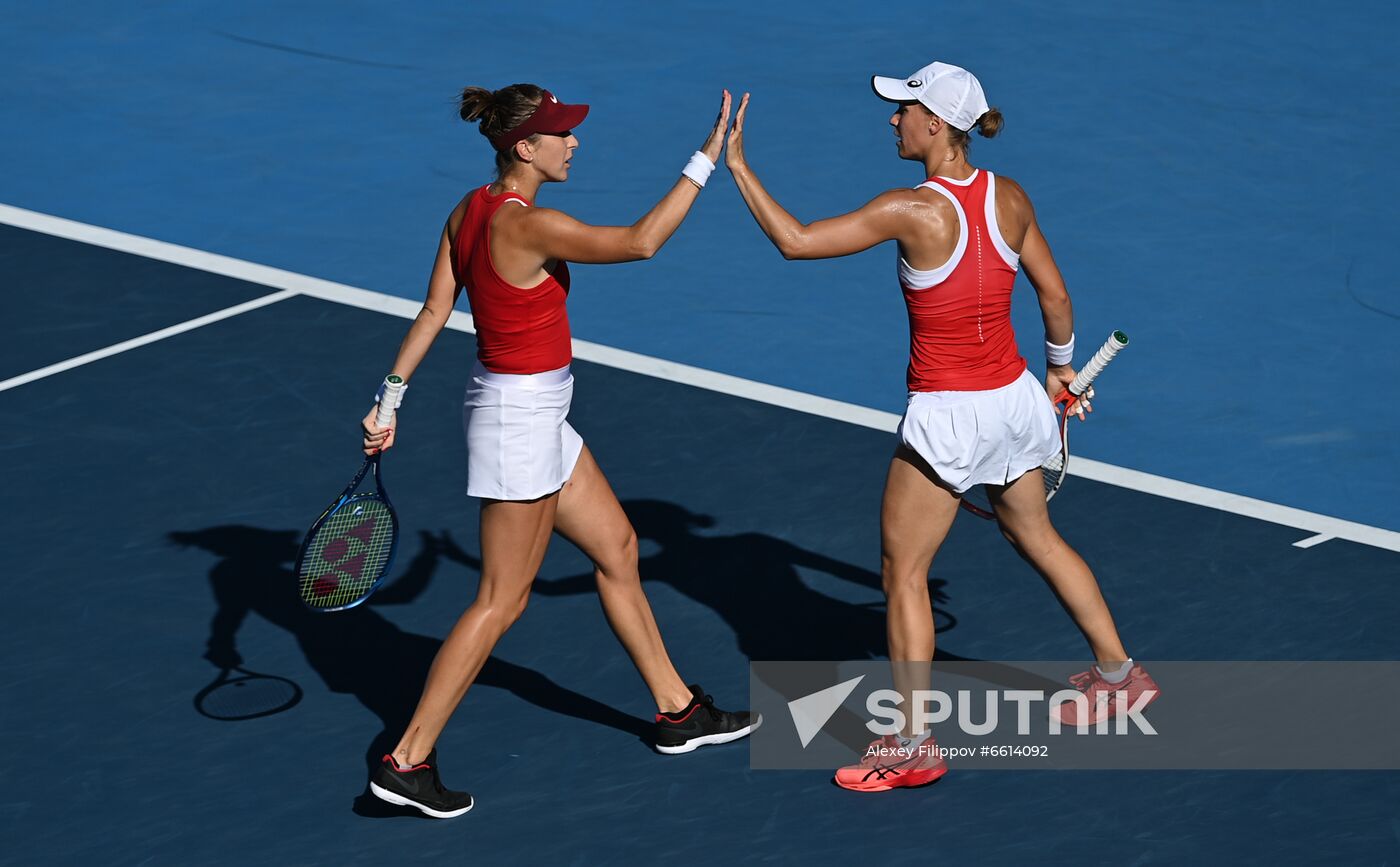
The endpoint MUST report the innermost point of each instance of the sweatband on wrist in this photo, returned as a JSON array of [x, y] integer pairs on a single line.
[[698, 169], [379, 395], [1057, 354]]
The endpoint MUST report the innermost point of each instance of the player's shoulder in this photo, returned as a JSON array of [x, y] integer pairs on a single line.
[[903, 194], [532, 218], [516, 214], [458, 214], [1010, 192], [929, 207], [918, 199]]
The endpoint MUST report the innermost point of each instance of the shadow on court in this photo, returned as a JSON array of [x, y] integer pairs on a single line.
[[360, 652], [751, 580]]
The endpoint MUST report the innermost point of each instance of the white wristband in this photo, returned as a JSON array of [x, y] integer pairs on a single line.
[[1056, 354], [379, 395], [698, 169]]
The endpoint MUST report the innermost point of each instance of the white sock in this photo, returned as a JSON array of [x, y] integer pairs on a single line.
[[1117, 675]]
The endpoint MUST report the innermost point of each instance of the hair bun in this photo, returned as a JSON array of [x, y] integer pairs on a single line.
[[989, 124], [474, 102]]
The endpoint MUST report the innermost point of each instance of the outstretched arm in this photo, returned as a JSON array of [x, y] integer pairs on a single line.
[[552, 234], [881, 219]]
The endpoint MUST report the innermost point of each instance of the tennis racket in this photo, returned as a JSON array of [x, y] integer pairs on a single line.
[[1056, 467], [246, 695], [349, 549]]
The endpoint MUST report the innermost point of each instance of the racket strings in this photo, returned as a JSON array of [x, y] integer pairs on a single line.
[[1053, 473], [347, 553]]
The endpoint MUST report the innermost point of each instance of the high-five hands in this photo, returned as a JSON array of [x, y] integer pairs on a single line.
[[715, 143], [734, 157]]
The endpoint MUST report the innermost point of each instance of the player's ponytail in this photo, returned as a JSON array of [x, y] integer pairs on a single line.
[[473, 103], [499, 111], [989, 124]]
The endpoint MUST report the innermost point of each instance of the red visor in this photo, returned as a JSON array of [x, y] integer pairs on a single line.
[[550, 116]]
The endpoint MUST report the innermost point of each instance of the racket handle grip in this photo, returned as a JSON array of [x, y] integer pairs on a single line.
[[389, 400], [1089, 372]]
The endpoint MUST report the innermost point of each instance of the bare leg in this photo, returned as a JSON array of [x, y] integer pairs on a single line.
[[514, 537], [915, 517], [590, 516], [1025, 521]]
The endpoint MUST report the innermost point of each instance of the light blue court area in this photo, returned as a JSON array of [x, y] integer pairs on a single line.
[[1216, 179]]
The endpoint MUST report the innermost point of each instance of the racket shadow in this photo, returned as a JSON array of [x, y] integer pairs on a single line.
[[360, 651], [238, 694]]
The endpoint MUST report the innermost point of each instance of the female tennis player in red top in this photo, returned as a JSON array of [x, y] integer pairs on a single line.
[[531, 469], [976, 415]]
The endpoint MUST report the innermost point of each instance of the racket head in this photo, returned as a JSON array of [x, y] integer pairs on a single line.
[[246, 695], [349, 550]]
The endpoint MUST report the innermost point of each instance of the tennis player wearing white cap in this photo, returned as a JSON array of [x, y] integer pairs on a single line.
[[976, 415]]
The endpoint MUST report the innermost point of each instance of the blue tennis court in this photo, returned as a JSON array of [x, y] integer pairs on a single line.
[[180, 413]]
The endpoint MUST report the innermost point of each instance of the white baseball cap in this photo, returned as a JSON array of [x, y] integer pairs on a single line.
[[948, 91]]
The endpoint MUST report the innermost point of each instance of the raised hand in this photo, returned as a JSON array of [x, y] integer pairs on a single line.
[[715, 143], [734, 157]]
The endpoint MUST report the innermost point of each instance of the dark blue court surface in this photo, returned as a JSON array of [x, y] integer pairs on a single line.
[[161, 494]]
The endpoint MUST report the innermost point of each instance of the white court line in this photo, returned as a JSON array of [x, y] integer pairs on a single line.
[[115, 348], [1320, 525], [1313, 540]]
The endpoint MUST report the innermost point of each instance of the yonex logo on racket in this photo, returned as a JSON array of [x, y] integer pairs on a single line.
[[345, 558]]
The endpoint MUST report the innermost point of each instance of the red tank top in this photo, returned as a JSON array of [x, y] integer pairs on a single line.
[[517, 330], [960, 336]]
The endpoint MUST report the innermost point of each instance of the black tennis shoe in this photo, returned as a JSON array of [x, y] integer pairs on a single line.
[[418, 787], [701, 723]]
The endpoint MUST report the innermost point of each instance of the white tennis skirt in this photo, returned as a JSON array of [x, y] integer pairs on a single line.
[[520, 445], [990, 437]]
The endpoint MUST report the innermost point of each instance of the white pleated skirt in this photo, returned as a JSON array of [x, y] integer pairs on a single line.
[[982, 437], [520, 445]]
